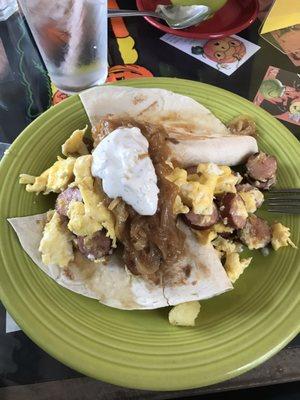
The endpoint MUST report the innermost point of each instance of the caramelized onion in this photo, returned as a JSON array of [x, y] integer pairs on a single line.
[[242, 125], [152, 244]]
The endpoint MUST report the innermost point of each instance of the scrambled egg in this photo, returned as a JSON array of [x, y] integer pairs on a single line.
[[226, 246], [234, 266], [210, 169], [92, 215], [197, 191], [56, 244], [60, 175], [184, 314], [281, 236], [226, 183], [226, 180], [179, 207], [75, 145], [221, 228], [206, 236], [251, 199], [178, 176], [198, 196], [54, 179], [240, 210]]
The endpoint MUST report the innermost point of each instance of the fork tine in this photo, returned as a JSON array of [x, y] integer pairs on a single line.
[[280, 191], [271, 194], [281, 205], [280, 194], [289, 202], [283, 198], [286, 201], [284, 210], [287, 190]]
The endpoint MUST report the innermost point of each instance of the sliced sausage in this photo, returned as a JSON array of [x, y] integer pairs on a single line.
[[64, 199], [192, 170], [199, 221], [263, 185], [261, 167], [95, 246], [244, 187], [233, 210], [256, 234]]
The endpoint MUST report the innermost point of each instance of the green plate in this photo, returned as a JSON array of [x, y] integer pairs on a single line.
[[139, 349]]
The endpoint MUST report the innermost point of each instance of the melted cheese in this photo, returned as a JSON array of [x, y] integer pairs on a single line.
[[75, 144], [92, 215], [56, 244], [54, 179], [234, 266], [281, 236]]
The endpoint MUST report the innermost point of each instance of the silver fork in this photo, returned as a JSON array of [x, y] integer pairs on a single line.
[[286, 201]]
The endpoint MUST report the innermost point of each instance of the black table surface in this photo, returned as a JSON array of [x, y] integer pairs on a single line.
[[26, 371]]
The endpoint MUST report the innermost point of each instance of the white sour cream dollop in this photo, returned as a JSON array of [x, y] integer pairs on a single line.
[[122, 161]]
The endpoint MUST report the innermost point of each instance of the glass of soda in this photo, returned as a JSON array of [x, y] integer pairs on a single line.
[[72, 38]]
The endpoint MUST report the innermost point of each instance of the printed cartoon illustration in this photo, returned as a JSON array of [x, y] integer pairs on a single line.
[[279, 94], [295, 57], [226, 54], [127, 51], [288, 38], [222, 51], [58, 96], [120, 72]]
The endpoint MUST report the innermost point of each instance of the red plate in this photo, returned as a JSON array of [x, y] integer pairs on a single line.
[[232, 18]]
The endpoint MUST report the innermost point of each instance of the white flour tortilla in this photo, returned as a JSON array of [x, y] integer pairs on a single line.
[[112, 285], [200, 136]]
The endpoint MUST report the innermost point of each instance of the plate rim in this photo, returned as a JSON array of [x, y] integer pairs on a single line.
[[11, 309], [200, 36]]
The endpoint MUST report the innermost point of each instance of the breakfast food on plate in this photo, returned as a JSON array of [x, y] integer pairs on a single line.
[[153, 215], [261, 170], [184, 314]]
